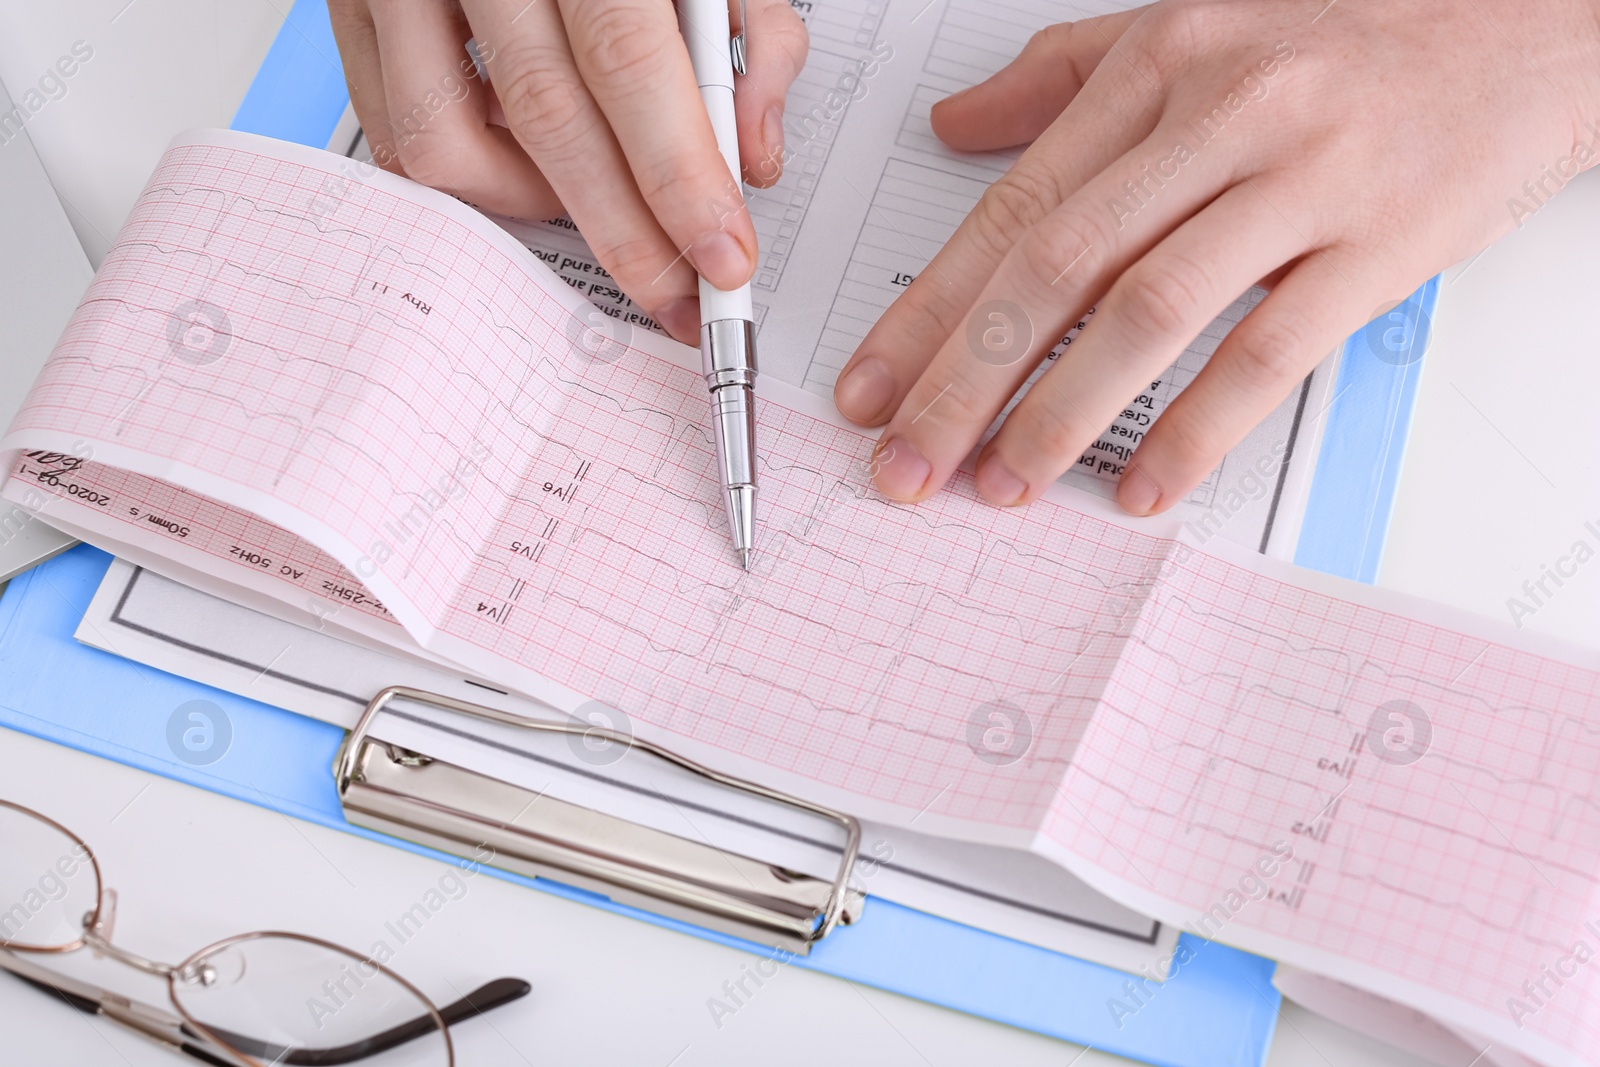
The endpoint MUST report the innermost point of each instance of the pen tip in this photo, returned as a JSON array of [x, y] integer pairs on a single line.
[[744, 558]]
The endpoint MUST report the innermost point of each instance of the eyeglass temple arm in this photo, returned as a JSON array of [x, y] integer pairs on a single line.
[[169, 1030], [486, 997], [160, 1026]]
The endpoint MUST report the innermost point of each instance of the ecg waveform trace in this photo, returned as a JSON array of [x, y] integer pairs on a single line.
[[353, 356]]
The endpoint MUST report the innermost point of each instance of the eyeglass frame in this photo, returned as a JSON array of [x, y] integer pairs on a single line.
[[143, 1018]]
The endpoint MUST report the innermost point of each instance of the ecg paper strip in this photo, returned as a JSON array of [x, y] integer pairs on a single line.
[[291, 368], [1459, 856], [553, 509]]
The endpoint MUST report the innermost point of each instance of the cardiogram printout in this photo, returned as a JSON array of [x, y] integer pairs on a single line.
[[313, 385]]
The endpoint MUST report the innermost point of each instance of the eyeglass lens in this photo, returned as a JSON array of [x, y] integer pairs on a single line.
[[48, 883]]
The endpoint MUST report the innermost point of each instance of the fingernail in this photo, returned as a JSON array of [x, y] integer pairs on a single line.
[[864, 391], [681, 319], [720, 259], [997, 484], [1137, 492], [901, 470], [772, 142]]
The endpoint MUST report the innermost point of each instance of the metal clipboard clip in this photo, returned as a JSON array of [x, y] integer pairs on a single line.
[[455, 810]]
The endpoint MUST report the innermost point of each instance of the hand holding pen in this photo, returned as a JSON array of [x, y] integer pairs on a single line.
[[603, 121]]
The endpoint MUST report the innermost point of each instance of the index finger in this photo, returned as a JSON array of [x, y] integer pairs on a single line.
[[438, 120], [1082, 142], [634, 62], [553, 116]]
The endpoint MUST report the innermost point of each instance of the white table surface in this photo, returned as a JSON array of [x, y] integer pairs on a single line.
[[1498, 479]]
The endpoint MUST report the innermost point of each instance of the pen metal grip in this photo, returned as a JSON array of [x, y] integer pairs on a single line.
[[728, 361], [733, 422], [728, 352]]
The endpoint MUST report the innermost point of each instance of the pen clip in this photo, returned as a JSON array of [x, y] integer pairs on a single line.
[[736, 46]]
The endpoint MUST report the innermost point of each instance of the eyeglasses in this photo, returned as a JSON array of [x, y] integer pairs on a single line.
[[251, 1000]]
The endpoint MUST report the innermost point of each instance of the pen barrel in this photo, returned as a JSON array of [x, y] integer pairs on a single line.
[[708, 36], [707, 32], [733, 420], [728, 361], [724, 303]]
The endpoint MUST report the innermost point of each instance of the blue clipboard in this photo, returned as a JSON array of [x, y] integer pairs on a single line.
[[1374, 397], [1218, 1010]]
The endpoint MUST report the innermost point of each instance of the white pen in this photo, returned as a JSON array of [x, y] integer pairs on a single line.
[[727, 327]]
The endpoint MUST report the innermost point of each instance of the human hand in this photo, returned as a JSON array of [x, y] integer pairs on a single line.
[[1182, 152], [602, 119]]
